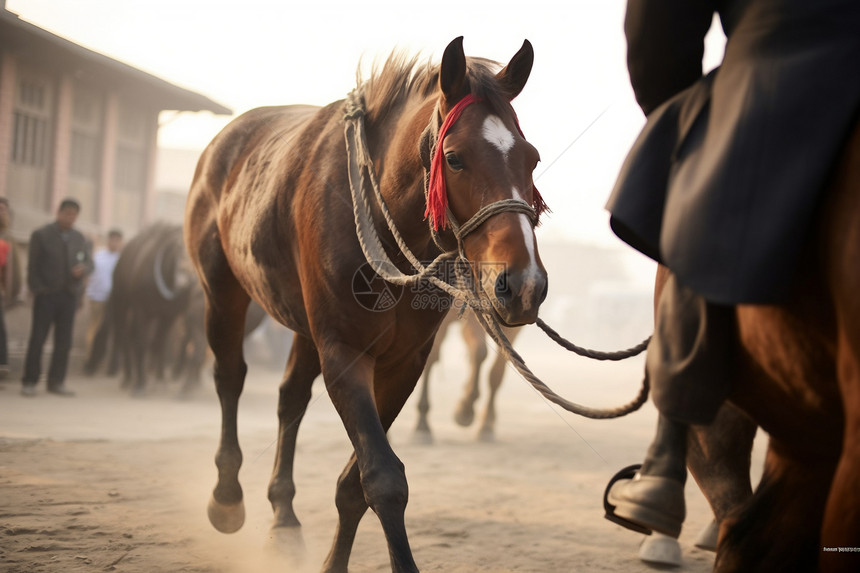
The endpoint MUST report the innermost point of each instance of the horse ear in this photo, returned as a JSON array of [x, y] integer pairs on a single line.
[[513, 77], [452, 73]]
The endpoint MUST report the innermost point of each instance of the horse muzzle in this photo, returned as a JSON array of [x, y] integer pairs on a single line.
[[517, 296]]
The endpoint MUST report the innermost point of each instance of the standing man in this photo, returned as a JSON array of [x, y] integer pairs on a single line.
[[58, 262], [100, 283]]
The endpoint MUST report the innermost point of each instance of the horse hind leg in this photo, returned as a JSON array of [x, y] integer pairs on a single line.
[[295, 394], [226, 305], [473, 336], [423, 434], [487, 430]]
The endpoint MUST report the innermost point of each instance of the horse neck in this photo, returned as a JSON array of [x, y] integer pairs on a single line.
[[394, 146]]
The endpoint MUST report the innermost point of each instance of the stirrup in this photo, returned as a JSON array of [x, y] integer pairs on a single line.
[[625, 474]]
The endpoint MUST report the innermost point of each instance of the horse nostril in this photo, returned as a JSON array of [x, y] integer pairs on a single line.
[[544, 292]]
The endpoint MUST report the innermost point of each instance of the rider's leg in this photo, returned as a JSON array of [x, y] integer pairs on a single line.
[[688, 363]]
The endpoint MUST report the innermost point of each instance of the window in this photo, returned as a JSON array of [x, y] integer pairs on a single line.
[[30, 139], [85, 155]]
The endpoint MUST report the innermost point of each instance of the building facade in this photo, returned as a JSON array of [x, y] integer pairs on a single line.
[[76, 123]]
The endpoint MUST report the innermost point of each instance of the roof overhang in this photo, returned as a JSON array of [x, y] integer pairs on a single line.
[[40, 47]]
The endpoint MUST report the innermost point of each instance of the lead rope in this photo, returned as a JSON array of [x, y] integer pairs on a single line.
[[360, 169]]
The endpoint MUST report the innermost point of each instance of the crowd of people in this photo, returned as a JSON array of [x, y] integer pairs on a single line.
[[61, 272]]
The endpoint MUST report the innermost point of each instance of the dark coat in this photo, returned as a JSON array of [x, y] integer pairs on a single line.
[[723, 183], [51, 258]]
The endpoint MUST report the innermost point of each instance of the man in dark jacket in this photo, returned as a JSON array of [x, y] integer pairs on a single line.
[[721, 188], [59, 260]]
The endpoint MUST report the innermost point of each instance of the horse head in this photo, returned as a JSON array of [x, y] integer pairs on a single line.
[[481, 174]]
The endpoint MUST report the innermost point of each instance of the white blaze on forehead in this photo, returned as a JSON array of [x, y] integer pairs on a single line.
[[497, 134]]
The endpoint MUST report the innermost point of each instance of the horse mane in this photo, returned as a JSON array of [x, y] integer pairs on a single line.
[[402, 77]]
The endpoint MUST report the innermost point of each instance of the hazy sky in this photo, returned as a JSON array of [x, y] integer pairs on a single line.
[[247, 53]]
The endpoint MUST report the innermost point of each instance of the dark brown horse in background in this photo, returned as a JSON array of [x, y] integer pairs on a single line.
[[270, 218], [476, 348]]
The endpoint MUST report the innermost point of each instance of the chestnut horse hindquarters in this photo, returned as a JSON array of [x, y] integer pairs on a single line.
[[800, 380]]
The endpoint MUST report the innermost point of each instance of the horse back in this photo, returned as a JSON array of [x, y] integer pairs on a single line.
[[250, 183]]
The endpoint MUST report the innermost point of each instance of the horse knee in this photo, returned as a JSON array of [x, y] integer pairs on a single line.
[[386, 488]]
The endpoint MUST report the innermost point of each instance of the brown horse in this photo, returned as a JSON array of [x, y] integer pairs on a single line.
[[798, 377], [476, 346], [270, 218]]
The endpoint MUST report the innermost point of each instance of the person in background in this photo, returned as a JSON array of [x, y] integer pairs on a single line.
[[101, 282], [59, 261], [6, 268]]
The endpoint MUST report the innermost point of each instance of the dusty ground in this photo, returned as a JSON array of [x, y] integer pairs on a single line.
[[105, 482]]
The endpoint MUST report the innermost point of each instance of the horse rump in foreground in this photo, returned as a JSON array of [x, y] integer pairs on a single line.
[[270, 218], [799, 379]]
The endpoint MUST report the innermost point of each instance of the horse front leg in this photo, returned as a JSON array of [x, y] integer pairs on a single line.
[[302, 368], [374, 476]]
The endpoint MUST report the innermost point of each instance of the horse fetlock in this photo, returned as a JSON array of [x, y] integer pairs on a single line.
[[285, 515], [228, 461], [281, 496]]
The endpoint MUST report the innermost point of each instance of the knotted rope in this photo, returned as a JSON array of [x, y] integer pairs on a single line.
[[360, 169]]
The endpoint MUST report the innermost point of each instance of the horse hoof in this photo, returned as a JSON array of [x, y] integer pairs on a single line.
[[487, 435], [464, 416], [288, 543], [226, 518], [422, 437], [707, 538], [660, 549]]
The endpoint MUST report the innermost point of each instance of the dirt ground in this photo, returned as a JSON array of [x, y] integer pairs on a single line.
[[106, 482]]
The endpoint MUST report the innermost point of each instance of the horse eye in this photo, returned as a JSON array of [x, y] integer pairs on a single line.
[[453, 161]]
